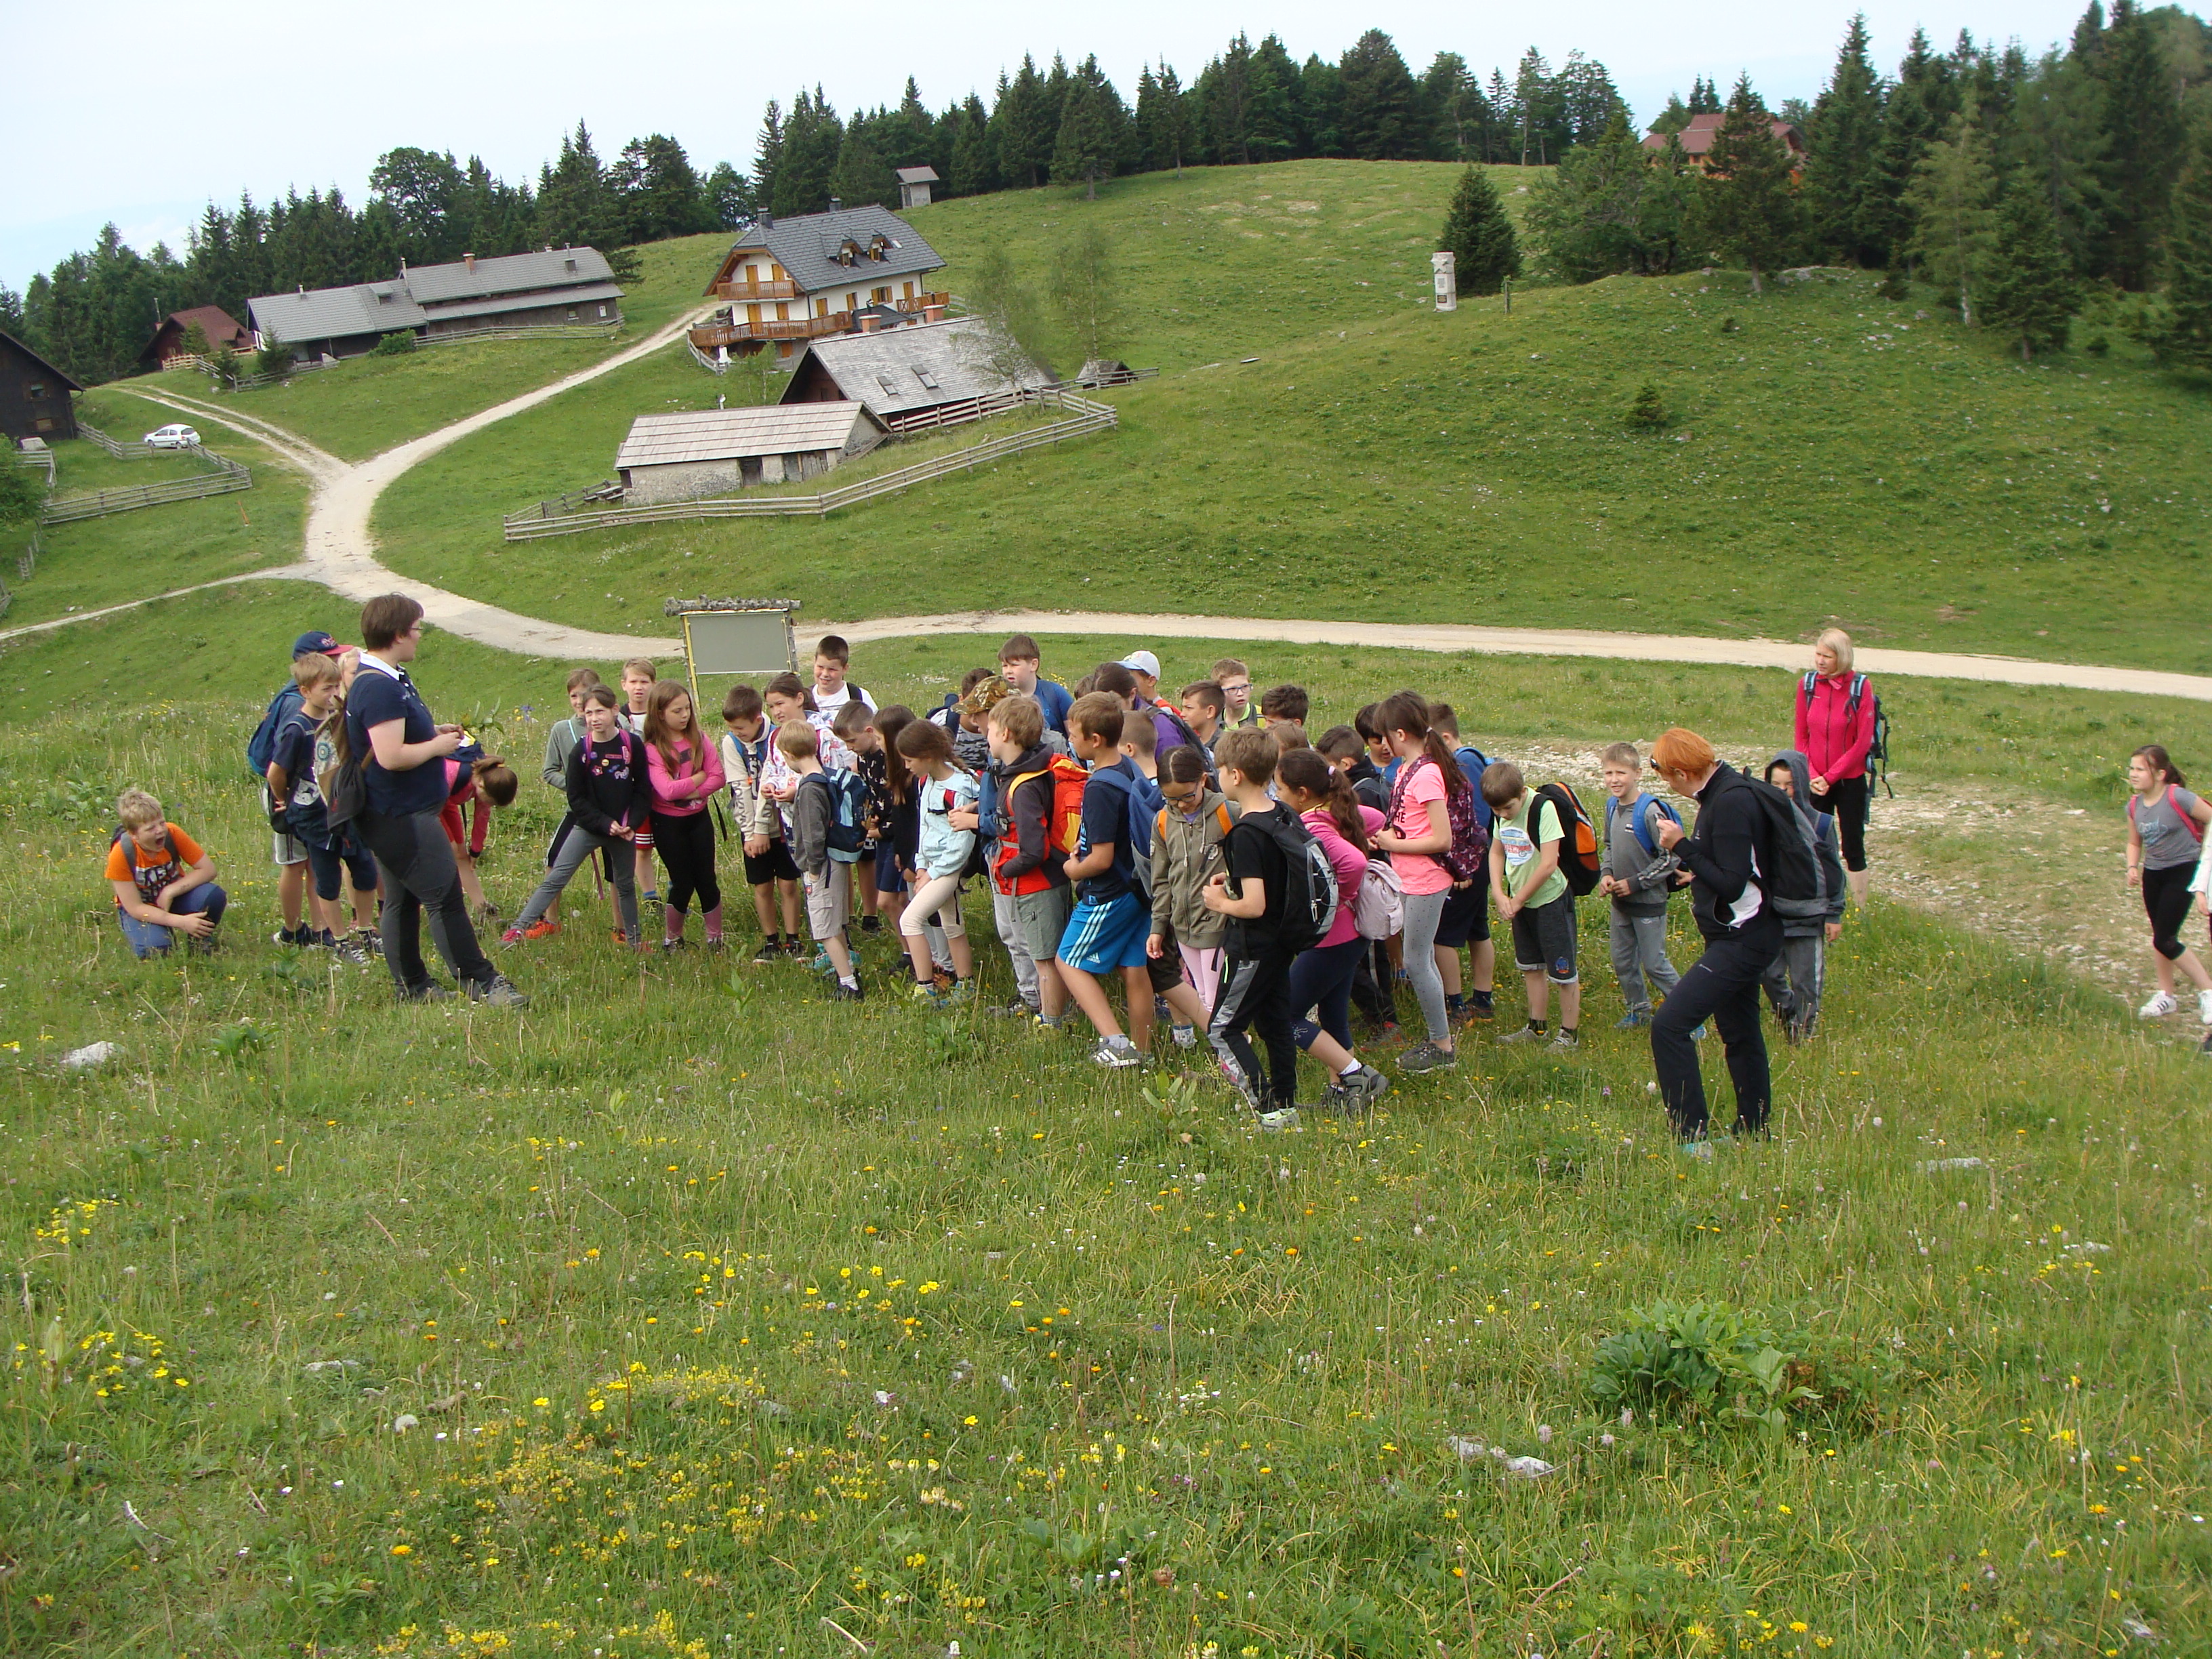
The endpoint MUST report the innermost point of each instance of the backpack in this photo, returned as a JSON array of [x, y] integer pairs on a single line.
[[1309, 895], [1144, 803], [1378, 909], [1474, 763], [1161, 705], [1788, 867], [345, 794], [849, 812], [1062, 827], [261, 747], [1580, 857], [2196, 830], [1877, 755], [1641, 828], [1469, 855]]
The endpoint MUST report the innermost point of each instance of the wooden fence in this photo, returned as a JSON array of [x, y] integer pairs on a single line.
[[1085, 416], [27, 562], [223, 476], [38, 458]]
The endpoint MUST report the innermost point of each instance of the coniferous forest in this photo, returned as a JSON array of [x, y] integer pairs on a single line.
[[2009, 179]]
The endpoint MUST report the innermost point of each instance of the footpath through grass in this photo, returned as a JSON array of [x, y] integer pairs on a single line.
[[685, 1311]]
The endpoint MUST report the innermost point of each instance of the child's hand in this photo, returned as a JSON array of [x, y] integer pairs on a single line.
[[1835, 931], [756, 846], [1509, 908], [2134, 875], [1154, 943], [199, 925], [1666, 833]]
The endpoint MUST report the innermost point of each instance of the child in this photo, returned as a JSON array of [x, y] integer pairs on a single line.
[[164, 883], [1321, 975], [828, 900], [1031, 897], [832, 659], [1467, 912], [1256, 973], [1139, 746], [1533, 895], [2165, 830], [1637, 878], [769, 869], [299, 801], [1204, 707], [483, 783], [1019, 660], [1106, 931], [1193, 821], [685, 771], [639, 677], [851, 724], [286, 852], [1794, 978], [942, 852], [1283, 703], [561, 739], [1380, 760], [1235, 680], [1418, 835], [787, 702], [607, 783], [1347, 752]]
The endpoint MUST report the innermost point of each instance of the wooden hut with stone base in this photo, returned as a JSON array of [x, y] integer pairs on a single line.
[[718, 451]]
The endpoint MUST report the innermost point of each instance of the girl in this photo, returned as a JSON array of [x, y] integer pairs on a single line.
[[2166, 831], [941, 789], [484, 783], [787, 700], [892, 805], [610, 793], [561, 741], [639, 676], [852, 723], [686, 770], [1186, 838], [1320, 978], [1418, 835]]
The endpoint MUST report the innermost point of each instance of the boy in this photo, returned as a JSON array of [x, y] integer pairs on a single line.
[[1139, 746], [638, 676], [293, 786], [769, 870], [1534, 898], [1466, 920], [1255, 971], [289, 857], [560, 740], [1794, 979], [1031, 897], [1205, 707], [1106, 932], [164, 883], [851, 724], [828, 899], [1638, 881], [831, 657], [1285, 703], [1019, 660], [1235, 680]]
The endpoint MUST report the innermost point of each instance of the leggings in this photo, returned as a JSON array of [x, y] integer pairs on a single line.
[[1424, 911], [574, 853], [938, 899], [417, 873], [2167, 899], [686, 845], [1321, 980], [1847, 799], [1202, 967]]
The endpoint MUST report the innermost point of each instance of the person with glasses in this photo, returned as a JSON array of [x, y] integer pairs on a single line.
[[1235, 680]]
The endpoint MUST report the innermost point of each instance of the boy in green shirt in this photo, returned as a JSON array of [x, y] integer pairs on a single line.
[[1534, 898]]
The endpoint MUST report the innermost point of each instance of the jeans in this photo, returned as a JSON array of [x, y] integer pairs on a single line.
[[1256, 994], [151, 938], [415, 862], [1321, 979], [1639, 957], [574, 853], [1722, 986], [1794, 980], [1423, 912]]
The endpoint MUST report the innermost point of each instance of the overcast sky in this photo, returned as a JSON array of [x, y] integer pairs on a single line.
[[257, 95]]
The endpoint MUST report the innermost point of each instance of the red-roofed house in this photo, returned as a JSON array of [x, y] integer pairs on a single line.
[[221, 328], [1697, 138]]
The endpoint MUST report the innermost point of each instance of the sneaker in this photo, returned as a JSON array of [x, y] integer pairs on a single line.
[[679, 943], [1700, 1149], [1564, 1039], [368, 940], [299, 937], [350, 953], [1363, 1086], [1526, 1033], [771, 950], [1697, 1036], [1282, 1118], [210, 946], [1042, 1027], [842, 992], [2204, 1006], [1015, 1010], [1185, 1036], [1630, 1021], [427, 991], [499, 990], [2159, 1006], [1162, 1017], [2204, 1049], [649, 898], [1480, 1013], [1118, 1053], [961, 991], [1426, 1057], [618, 936], [929, 996], [513, 937], [539, 930], [871, 924]]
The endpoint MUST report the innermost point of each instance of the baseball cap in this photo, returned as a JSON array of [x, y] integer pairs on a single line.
[[315, 642], [986, 695], [1142, 662]]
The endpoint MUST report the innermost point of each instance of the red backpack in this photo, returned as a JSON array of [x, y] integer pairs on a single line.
[[1061, 828]]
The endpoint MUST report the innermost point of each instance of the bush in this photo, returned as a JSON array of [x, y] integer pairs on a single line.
[[398, 344], [274, 357], [1646, 413], [1699, 1359], [22, 491]]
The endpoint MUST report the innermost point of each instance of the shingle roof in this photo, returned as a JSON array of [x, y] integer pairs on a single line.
[[884, 370], [1697, 138], [806, 246], [495, 305], [917, 175], [512, 273], [332, 313], [510, 283], [723, 435]]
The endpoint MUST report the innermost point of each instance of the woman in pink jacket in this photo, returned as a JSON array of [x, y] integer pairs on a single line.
[[686, 772], [1835, 729]]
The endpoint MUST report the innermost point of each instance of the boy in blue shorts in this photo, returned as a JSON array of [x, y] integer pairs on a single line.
[[300, 753], [1108, 931]]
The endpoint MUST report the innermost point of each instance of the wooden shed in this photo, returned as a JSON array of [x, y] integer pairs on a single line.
[[223, 331], [923, 374], [717, 451], [913, 185], [35, 395]]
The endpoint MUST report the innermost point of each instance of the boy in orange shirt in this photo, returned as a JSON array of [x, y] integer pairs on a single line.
[[164, 883]]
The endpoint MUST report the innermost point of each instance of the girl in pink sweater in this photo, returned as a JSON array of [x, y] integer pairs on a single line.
[[686, 772]]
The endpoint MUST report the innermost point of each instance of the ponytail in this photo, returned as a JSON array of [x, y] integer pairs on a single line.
[[496, 779], [1309, 774], [1409, 712]]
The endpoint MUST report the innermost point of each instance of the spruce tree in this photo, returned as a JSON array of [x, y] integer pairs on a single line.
[[1479, 236], [1086, 150], [1841, 141], [1021, 141], [2181, 332], [1746, 204], [2143, 133], [1382, 120], [975, 169], [1950, 199], [2030, 293]]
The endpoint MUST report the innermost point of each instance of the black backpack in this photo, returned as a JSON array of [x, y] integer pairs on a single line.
[[1877, 755], [1788, 869], [1309, 895]]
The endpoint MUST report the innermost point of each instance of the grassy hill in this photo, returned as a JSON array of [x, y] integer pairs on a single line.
[[1833, 455]]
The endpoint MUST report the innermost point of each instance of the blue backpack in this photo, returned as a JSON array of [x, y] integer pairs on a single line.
[[261, 747], [1141, 804], [1638, 826], [848, 811], [1474, 763]]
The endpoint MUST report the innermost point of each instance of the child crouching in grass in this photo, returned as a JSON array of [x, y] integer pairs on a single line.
[[943, 850], [164, 883]]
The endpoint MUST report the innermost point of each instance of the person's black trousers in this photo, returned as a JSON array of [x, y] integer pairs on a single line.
[[1722, 986], [1255, 996], [416, 862]]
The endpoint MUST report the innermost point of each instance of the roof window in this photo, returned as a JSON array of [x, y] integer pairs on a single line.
[[890, 386], [925, 378]]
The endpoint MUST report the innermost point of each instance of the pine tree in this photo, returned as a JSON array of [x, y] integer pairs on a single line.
[[1382, 120], [1167, 127], [861, 174], [1321, 105], [974, 170], [1273, 117], [2030, 293], [1479, 236], [2058, 139], [11, 311], [1018, 134], [1449, 96], [1647, 412], [1841, 141], [1088, 136], [2181, 330], [1919, 105], [1746, 204], [1224, 93], [728, 196], [1950, 199], [576, 206], [1610, 207], [2143, 139], [767, 154]]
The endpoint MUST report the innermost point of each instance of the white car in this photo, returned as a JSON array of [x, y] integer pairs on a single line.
[[173, 437]]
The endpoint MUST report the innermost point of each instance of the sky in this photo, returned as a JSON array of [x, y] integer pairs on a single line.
[[309, 95]]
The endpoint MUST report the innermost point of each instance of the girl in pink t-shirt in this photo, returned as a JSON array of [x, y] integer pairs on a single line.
[[1320, 978], [1419, 834]]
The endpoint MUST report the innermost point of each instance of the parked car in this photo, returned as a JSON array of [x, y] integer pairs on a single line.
[[173, 437]]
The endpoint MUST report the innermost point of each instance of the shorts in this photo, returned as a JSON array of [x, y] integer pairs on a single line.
[[828, 903], [890, 878], [1544, 940], [1104, 935], [1040, 918], [1466, 918], [283, 851], [774, 864], [1166, 968], [343, 852]]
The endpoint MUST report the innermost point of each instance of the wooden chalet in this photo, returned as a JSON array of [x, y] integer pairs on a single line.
[[789, 281], [223, 331], [921, 375], [35, 395], [551, 287], [717, 451], [1696, 139]]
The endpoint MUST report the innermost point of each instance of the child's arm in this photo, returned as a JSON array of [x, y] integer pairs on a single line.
[[2135, 853], [1163, 901], [202, 872], [554, 770], [1030, 845], [712, 779], [1253, 902], [1096, 862], [576, 784]]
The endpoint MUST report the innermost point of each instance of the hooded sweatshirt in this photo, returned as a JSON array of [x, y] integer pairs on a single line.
[[1028, 805], [1728, 898], [1184, 854], [1826, 849]]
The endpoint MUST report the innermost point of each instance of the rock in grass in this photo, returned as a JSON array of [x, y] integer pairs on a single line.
[[1937, 1165], [91, 1054]]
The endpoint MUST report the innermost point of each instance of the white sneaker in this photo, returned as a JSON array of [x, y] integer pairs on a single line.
[[1118, 1053], [1283, 1117], [2204, 1006], [2160, 1004]]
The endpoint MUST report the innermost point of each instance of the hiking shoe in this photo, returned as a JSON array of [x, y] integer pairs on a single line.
[[1117, 1054], [1564, 1039], [1630, 1021], [1480, 1013], [499, 990], [369, 940], [427, 991], [348, 952], [672, 945], [2160, 1004], [1426, 1057], [511, 937], [961, 991], [1353, 1093], [1526, 1033], [1185, 1036], [299, 937], [1282, 1118], [871, 924], [771, 950], [929, 996], [1700, 1149], [538, 930], [842, 992], [2204, 1006]]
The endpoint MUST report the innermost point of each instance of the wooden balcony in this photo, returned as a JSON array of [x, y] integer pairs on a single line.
[[709, 336], [784, 290], [920, 303]]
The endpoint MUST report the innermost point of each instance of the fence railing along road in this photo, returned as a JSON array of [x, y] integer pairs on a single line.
[[222, 477]]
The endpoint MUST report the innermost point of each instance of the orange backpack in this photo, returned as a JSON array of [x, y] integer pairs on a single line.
[[1062, 828]]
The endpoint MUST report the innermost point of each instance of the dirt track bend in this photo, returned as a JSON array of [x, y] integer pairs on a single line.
[[340, 553]]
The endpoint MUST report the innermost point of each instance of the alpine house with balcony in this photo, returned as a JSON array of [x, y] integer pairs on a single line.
[[850, 270]]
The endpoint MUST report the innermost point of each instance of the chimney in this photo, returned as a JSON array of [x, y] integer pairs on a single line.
[[868, 322], [303, 287], [469, 261], [767, 219], [836, 206], [932, 313]]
